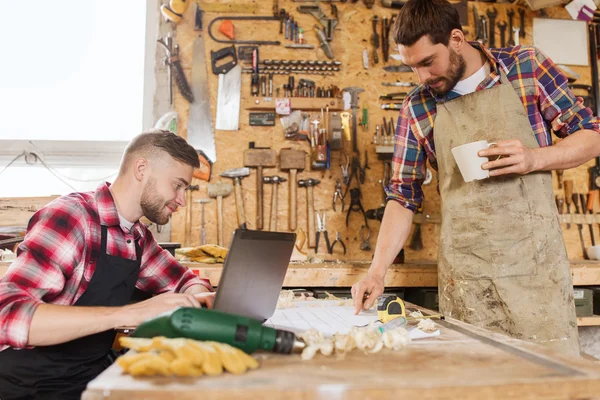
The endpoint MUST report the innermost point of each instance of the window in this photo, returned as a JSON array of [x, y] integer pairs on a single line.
[[74, 88]]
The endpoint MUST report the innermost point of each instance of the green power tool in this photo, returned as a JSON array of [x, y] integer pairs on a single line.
[[246, 334]]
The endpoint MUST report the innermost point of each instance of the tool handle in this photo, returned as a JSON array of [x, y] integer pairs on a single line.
[[273, 225], [293, 209], [310, 215], [560, 204], [188, 219], [576, 202], [590, 201], [220, 220], [568, 184], [202, 236], [259, 198], [239, 204]]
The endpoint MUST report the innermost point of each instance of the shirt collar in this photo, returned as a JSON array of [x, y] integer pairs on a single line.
[[107, 210], [488, 82]]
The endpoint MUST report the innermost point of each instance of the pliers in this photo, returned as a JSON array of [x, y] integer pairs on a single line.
[[355, 205], [338, 239], [321, 228], [344, 169], [338, 194]]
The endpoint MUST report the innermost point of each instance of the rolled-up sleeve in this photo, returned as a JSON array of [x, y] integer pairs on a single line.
[[408, 163], [562, 109], [161, 272]]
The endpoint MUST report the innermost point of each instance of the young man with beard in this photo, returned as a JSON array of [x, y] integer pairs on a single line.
[[502, 262], [76, 271]]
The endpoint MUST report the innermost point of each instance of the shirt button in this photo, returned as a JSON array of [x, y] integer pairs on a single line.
[[128, 240]]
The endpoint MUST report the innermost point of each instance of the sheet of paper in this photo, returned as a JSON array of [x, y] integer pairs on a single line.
[[328, 318]]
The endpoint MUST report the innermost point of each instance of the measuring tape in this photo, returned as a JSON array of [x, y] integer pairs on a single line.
[[392, 307]]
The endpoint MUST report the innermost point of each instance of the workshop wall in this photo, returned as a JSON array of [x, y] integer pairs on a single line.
[[350, 38]]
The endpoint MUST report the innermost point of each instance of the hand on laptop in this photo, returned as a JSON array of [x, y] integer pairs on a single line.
[[206, 299]]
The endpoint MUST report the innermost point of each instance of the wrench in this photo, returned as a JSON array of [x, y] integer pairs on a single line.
[[484, 29], [516, 35], [492, 17], [510, 13], [502, 27], [522, 16]]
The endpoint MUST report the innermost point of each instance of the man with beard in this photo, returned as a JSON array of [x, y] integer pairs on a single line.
[[78, 266], [502, 262]]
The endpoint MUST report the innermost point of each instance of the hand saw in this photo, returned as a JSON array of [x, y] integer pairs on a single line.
[[200, 132]]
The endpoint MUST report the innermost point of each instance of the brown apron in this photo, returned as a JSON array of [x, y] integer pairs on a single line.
[[502, 262]]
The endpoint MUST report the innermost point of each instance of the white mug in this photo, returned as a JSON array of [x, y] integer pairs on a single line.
[[469, 163]]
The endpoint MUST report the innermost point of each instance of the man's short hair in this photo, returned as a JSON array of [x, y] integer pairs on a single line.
[[417, 18], [151, 144]]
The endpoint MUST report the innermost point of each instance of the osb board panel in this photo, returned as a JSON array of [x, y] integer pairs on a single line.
[[350, 38], [16, 211]]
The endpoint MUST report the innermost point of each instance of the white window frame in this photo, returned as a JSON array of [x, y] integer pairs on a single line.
[[85, 153]]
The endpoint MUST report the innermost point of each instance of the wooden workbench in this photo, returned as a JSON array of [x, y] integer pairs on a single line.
[[464, 362], [331, 274]]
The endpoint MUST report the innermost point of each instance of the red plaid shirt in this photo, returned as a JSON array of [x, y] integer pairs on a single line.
[[57, 259]]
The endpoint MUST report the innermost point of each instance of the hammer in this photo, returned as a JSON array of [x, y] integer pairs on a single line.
[[309, 184], [237, 174], [202, 229], [259, 157], [219, 190], [275, 180]]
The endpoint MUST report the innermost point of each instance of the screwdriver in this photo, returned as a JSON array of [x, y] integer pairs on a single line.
[[568, 185]]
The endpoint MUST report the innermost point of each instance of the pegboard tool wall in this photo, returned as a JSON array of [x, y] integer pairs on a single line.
[[350, 38]]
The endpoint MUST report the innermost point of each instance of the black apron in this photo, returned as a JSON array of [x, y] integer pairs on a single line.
[[63, 371]]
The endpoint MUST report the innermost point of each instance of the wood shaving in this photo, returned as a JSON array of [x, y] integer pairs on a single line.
[[368, 339], [427, 325], [416, 314]]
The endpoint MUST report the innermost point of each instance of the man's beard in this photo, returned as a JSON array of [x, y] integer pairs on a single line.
[[456, 71], [153, 206]]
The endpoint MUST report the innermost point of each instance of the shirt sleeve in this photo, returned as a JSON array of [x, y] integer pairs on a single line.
[[408, 163], [52, 249], [161, 272], [560, 108]]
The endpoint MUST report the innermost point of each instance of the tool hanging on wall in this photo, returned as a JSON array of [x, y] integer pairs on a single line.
[[580, 226], [325, 31], [173, 12], [218, 191], [237, 174], [174, 69], [200, 132], [275, 181], [375, 39], [589, 206], [259, 158], [243, 18], [322, 229], [310, 214], [568, 197], [203, 202], [292, 161]]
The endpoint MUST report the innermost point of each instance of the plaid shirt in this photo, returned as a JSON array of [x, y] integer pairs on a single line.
[[549, 102], [57, 259]]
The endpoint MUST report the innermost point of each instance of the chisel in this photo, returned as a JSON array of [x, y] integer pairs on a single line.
[[590, 209], [568, 185], [579, 226]]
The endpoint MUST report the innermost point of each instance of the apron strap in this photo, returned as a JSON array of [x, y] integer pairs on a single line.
[[503, 77], [103, 239]]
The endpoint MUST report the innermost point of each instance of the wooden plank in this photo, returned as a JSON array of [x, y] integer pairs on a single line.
[[594, 320], [585, 272], [17, 211], [464, 362], [417, 274]]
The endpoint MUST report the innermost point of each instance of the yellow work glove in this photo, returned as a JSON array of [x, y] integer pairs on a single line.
[[182, 357]]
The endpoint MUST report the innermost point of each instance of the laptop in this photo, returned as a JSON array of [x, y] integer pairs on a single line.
[[253, 273]]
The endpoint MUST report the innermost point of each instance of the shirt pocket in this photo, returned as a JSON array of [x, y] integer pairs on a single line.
[[493, 243]]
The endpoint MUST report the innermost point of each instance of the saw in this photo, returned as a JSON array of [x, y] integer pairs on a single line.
[[200, 133]]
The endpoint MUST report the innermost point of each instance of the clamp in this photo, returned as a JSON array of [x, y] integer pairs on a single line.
[[355, 205], [338, 239], [321, 228], [338, 194]]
